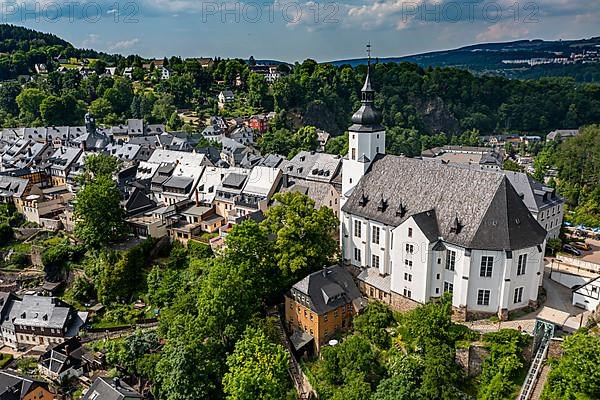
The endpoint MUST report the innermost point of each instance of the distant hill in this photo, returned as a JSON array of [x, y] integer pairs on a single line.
[[13, 38], [580, 59]]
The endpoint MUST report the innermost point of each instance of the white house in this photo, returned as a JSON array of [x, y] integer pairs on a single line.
[[165, 73], [412, 230], [225, 97]]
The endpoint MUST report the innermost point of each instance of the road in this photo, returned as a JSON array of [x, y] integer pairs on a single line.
[[558, 308]]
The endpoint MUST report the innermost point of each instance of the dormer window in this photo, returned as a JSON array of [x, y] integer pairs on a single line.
[[456, 226], [382, 206], [401, 211], [364, 199]]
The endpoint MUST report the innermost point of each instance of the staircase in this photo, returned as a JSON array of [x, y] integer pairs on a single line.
[[303, 387], [537, 365], [539, 387]]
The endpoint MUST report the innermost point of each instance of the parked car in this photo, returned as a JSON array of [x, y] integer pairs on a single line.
[[581, 246], [571, 250]]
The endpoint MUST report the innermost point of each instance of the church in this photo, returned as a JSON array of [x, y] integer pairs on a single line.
[[411, 230]]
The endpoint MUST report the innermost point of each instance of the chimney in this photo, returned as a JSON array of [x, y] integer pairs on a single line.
[[197, 201], [116, 383]]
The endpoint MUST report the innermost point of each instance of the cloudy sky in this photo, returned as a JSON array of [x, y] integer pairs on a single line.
[[294, 30]]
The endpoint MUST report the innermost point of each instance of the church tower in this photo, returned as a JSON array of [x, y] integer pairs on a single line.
[[366, 138]]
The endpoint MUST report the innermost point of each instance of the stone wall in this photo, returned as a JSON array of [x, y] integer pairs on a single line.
[[471, 359], [555, 348], [36, 256], [401, 303]]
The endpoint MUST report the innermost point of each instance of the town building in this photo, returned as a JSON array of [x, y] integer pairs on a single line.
[[546, 206], [412, 230], [14, 386], [318, 175], [320, 306], [259, 122], [225, 97], [478, 157], [561, 134], [37, 320], [63, 361], [110, 389]]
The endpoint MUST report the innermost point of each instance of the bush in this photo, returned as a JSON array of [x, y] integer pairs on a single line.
[[5, 359], [6, 233], [199, 250], [21, 260]]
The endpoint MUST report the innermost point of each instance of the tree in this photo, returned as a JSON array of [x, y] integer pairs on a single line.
[[99, 67], [306, 139], [351, 363], [189, 368], [575, 374], [163, 108], [372, 323], [257, 89], [175, 122], [8, 97], [99, 218], [100, 108], [510, 165], [337, 145], [257, 368], [101, 164], [6, 233], [29, 102], [304, 237], [53, 111]]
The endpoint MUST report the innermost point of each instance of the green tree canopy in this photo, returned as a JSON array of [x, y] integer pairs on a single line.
[[99, 218], [257, 369]]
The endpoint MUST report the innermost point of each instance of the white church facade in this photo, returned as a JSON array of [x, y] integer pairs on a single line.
[[412, 230]]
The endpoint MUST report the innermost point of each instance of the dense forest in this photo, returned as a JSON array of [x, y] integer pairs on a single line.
[[22, 48], [437, 99]]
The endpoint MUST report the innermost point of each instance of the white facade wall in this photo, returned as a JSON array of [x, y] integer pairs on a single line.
[[411, 260], [368, 143], [551, 220], [421, 274]]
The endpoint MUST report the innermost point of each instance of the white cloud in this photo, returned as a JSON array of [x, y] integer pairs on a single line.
[[502, 31], [124, 44], [91, 40]]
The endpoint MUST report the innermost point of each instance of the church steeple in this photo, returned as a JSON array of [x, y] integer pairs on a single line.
[[366, 136], [367, 115]]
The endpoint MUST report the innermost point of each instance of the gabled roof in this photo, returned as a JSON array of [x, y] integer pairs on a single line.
[[63, 357], [14, 386], [327, 289], [535, 195], [473, 208], [110, 389]]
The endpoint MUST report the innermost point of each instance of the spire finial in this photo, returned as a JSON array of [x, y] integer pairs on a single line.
[[369, 53]]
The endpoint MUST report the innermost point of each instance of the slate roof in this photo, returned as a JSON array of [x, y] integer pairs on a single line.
[[109, 389], [42, 311], [64, 157], [272, 160], [318, 191], [313, 166], [63, 356], [536, 196], [233, 180], [427, 222], [372, 277], [327, 289], [487, 209], [12, 187], [15, 387]]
